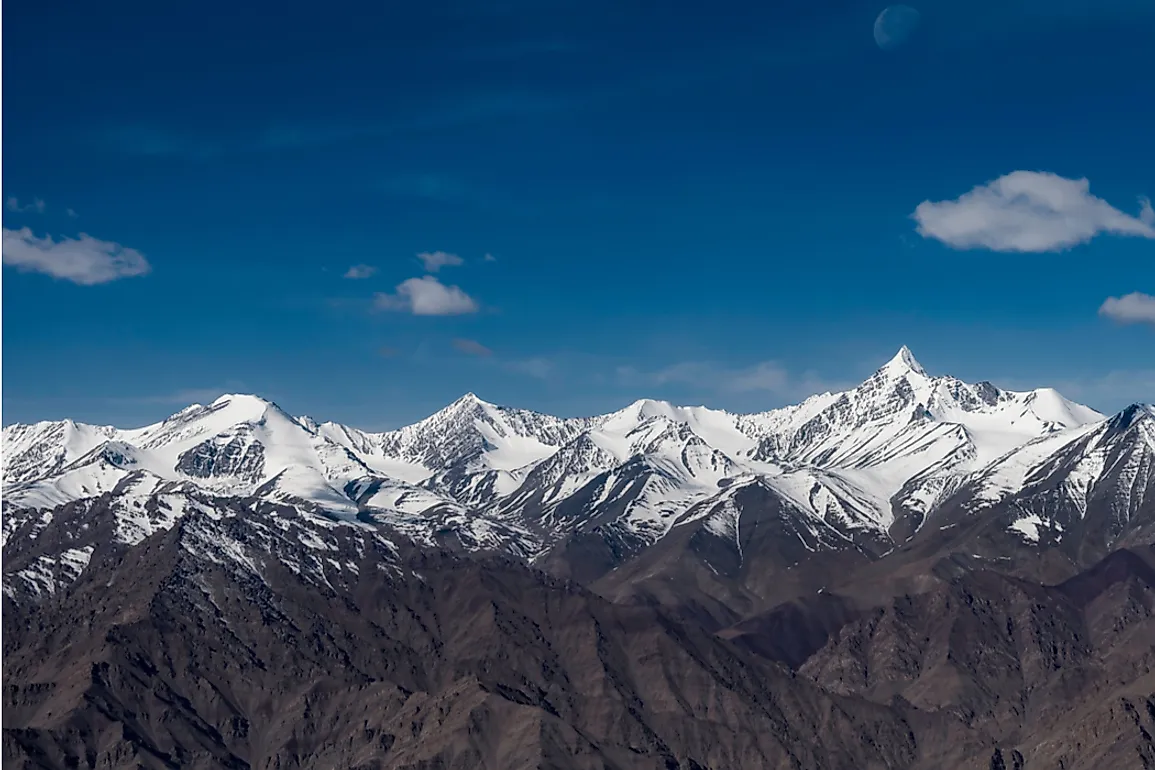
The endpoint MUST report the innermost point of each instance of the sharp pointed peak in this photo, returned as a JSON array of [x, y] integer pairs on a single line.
[[468, 404], [470, 399], [903, 362]]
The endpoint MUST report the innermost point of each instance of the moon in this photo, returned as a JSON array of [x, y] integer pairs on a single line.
[[894, 26]]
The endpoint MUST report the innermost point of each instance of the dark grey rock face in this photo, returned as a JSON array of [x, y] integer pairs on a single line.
[[240, 456]]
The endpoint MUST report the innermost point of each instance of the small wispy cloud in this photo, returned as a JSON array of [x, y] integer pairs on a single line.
[[426, 296], [488, 258], [766, 375], [37, 206], [360, 272], [483, 9], [85, 260], [297, 137], [538, 367], [433, 187], [449, 113], [1132, 308], [184, 396], [471, 347], [146, 141], [484, 105], [452, 112], [72, 213], [762, 377], [1029, 211], [433, 261], [455, 192], [518, 49]]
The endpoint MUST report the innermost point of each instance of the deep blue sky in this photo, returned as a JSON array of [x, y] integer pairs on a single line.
[[709, 203]]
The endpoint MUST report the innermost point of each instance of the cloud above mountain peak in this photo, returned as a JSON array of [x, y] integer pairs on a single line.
[[1029, 211]]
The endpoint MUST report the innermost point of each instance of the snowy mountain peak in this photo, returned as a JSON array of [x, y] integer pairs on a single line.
[[648, 408], [470, 399], [903, 363], [240, 403]]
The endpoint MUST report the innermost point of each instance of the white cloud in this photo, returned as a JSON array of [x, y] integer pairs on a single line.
[[1132, 308], [357, 272], [36, 205], [427, 296], [471, 347], [435, 260], [86, 260], [489, 258], [1028, 211], [72, 213]]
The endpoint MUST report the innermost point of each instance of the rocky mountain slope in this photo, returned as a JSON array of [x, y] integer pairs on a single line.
[[200, 648], [228, 641], [1057, 675]]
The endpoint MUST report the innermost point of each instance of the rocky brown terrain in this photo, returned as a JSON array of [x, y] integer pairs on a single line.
[[199, 647], [166, 658]]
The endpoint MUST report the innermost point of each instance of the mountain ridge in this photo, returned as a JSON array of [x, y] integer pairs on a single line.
[[874, 463]]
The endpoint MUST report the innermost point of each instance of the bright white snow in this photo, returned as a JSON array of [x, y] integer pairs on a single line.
[[902, 438]]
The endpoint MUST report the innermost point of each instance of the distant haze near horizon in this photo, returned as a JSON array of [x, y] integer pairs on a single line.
[[208, 397], [163, 407]]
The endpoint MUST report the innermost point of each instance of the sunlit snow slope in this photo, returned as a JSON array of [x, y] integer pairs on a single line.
[[890, 450]]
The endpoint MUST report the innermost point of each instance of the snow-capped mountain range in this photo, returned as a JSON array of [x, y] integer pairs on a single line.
[[871, 464]]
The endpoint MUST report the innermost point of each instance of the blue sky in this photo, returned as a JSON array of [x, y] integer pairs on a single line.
[[704, 204]]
